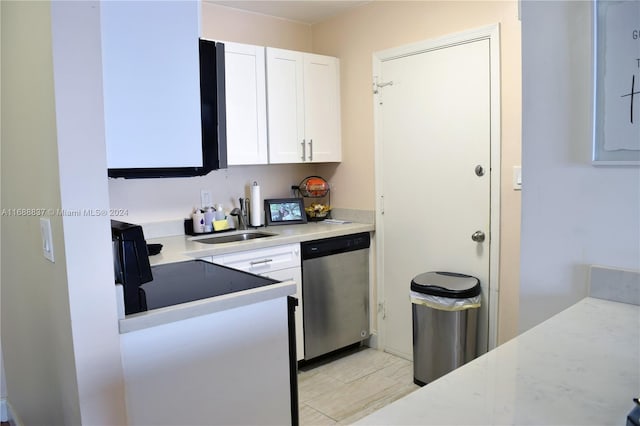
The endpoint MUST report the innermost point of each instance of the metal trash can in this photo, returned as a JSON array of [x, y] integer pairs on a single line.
[[445, 312]]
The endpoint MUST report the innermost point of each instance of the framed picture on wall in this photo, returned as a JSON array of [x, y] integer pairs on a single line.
[[616, 107]]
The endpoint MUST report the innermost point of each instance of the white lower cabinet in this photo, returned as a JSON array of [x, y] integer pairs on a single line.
[[281, 263], [293, 274], [224, 368]]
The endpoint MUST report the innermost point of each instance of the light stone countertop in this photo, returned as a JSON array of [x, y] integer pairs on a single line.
[[184, 247], [580, 367]]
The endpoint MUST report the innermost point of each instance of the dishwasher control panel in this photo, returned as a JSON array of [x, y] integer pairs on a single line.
[[329, 246]]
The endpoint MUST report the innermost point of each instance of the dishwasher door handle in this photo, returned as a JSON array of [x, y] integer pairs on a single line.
[[260, 262]]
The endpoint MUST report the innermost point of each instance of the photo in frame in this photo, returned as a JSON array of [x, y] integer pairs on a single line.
[[284, 211]]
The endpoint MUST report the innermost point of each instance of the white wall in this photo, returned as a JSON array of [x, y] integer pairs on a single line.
[[59, 328], [573, 214], [82, 160], [153, 200]]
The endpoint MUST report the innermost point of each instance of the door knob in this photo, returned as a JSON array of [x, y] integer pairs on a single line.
[[478, 236]]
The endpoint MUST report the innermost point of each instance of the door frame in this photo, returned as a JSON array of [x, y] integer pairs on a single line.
[[491, 33]]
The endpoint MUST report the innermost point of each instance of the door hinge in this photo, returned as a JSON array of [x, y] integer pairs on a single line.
[[382, 309], [382, 204], [379, 85]]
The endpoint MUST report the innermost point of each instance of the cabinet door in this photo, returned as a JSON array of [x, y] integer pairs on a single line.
[[246, 104], [151, 84], [280, 263], [293, 274], [322, 108], [285, 104]]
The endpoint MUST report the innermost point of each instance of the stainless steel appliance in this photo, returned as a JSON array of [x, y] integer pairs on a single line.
[[335, 293]]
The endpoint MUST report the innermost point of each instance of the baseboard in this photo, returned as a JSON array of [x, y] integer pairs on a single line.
[[373, 341], [4, 410], [8, 415]]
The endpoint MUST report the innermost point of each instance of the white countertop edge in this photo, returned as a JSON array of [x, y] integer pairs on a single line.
[[211, 305]]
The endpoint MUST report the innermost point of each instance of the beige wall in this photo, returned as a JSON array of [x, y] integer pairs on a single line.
[[354, 36], [228, 24], [36, 326]]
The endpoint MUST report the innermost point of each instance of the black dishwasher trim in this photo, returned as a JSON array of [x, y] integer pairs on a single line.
[[292, 302], [335, 245]]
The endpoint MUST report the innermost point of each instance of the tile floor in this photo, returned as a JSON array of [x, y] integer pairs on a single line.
[[342, 390]]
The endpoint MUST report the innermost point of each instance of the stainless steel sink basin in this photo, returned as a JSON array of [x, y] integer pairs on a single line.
[[235, 237]]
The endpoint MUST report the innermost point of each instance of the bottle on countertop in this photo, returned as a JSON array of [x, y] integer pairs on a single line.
[[219, 214], [209, 217], [198, 221]]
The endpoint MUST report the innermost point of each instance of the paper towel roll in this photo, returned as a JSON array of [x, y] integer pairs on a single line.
[[256, 215]]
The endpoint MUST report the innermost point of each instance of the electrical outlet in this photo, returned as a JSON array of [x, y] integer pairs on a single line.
[[205, 198], [47, 238]]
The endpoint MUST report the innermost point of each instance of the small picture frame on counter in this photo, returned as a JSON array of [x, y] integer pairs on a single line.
[[284, 211]]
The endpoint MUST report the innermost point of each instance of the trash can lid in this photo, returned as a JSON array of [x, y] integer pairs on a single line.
[[446, 284]]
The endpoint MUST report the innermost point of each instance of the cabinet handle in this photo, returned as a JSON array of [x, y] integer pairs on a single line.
[[310, 149], [304, 152], [260, 262]]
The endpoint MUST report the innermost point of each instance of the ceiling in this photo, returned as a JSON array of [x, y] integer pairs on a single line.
[[305, 11]]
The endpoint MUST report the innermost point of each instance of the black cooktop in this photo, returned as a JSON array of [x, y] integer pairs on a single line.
[[182, 282]]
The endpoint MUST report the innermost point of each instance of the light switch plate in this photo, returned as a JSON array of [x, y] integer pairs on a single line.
[[517, 178], [47, 238]]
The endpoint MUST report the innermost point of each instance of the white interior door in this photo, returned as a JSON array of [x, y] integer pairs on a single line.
[[433, 131]]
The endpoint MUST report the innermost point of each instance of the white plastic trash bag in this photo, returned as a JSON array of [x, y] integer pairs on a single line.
[[445, 303]]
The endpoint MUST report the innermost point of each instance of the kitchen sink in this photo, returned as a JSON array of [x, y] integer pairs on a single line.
[[235, 237]]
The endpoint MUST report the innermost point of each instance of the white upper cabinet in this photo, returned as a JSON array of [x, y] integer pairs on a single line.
[[322, 108], [151, 84], [285, 100], [304, 107], [246, 104]]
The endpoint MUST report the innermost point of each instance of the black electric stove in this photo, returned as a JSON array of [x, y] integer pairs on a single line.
[[182, 282]]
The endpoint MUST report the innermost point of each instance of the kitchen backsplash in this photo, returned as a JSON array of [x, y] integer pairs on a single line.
[[156, 200], [615, 284]]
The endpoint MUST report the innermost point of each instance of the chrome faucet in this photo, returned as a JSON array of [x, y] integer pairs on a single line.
[[241, 213]]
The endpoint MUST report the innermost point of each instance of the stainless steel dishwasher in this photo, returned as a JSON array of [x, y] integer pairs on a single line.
[[335, 293]]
